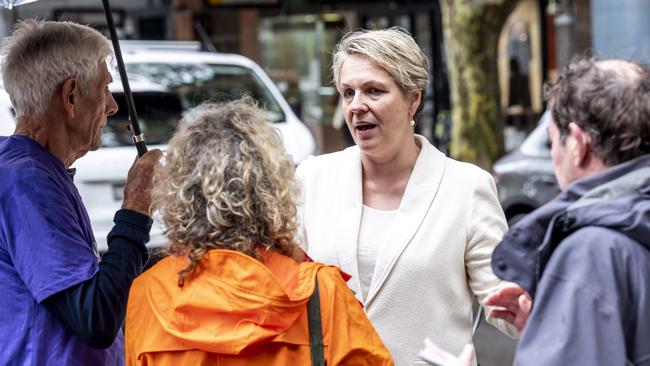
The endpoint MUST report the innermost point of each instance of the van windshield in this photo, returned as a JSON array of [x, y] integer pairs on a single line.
[[158, 114], [198, 82]]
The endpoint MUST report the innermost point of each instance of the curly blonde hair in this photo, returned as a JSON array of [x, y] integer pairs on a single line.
[[227, 183]]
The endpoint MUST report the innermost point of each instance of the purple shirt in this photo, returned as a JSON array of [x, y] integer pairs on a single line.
[[46, 246]]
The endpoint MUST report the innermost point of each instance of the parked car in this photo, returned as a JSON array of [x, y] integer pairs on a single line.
[[166, 82], [525, 177]]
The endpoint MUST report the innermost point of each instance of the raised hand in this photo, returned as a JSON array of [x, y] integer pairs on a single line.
[[137, 191], [513, 305]]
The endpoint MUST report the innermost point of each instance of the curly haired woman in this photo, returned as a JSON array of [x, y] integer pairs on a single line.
[[234, 290]]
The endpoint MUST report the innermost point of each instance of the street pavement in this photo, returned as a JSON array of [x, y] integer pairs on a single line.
[[493, 348]]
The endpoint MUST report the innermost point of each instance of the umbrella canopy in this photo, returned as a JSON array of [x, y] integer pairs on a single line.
[[138, 136]]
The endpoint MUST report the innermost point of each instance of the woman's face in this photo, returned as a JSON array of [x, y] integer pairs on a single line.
[[376, 111]]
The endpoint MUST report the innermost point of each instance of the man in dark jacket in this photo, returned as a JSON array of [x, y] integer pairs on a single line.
[[584, 258]]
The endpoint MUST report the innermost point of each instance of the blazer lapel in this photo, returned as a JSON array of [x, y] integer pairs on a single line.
[[420, 192], [348, 191]]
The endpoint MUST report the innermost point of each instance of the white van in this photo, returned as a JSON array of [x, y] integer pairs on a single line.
[[167, 80]]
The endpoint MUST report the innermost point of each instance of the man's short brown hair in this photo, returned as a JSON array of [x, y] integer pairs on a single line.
[[610, 100]]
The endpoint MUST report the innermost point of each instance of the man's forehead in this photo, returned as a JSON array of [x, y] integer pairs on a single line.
[[104, 73]]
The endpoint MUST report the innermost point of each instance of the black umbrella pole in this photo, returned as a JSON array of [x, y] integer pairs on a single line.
[[138, 136]]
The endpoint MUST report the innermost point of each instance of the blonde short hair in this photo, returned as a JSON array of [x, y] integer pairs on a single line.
[[227, 183], [39, 55], [393, 49]]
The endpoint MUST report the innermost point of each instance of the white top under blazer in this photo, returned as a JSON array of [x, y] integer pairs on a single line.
[[372, 234]]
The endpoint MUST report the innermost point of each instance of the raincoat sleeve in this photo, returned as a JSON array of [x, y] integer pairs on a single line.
[[578, 310], [486, 228], [349, 337]]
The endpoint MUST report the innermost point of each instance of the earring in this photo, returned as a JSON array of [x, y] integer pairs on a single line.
[[412, 122]]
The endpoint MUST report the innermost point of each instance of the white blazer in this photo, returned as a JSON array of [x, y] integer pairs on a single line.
[[437, 253]]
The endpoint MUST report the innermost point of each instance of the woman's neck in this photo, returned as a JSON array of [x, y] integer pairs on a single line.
[[384, 181], [400, 163]]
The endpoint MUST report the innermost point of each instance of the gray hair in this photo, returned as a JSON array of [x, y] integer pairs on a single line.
[[40, 55], [393, 49]]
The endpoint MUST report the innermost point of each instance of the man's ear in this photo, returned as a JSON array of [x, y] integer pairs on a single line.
[[580, 144], [70, 95]]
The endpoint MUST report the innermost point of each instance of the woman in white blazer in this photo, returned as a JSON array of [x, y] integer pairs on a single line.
[[414, 228]]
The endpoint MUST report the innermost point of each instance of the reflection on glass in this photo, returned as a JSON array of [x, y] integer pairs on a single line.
[[158, 114], [195, 83], [186, 85]]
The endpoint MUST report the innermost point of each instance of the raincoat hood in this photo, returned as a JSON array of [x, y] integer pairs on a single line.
[[234, 302], [622, 204], [617, 198]]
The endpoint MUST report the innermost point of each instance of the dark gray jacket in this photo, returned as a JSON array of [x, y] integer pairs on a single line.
[[585, 259]]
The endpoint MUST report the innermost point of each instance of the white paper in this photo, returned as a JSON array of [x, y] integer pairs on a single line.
[[433, 354]]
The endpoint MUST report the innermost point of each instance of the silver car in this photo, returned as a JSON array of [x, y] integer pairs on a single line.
[[525, 177]]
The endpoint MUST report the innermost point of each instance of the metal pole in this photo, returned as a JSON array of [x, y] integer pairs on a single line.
[[205, 38], [138, 136]]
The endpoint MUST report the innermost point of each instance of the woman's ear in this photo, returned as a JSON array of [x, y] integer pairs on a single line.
[[414, 103], [70, 95]]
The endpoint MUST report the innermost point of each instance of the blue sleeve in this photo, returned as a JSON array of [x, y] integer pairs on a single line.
[[45, 237], [577, 317], [94, 310]]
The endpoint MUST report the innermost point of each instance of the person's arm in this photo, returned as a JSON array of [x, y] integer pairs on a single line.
[[486, 229], [577, 317], [94, 310]]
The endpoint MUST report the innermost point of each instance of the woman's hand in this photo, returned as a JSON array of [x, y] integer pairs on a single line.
[[515, 304]]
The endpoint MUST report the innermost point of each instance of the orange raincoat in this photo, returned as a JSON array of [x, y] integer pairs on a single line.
[[240, 311]]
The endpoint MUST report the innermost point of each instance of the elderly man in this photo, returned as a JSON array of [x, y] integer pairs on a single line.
[[584, 258], [60, 305]]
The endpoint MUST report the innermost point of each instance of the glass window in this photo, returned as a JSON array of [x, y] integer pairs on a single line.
[[538, 143], [158, 114], [198, 82]]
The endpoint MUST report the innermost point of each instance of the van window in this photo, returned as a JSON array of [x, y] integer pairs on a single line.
[[158, 114], [197, 82]]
